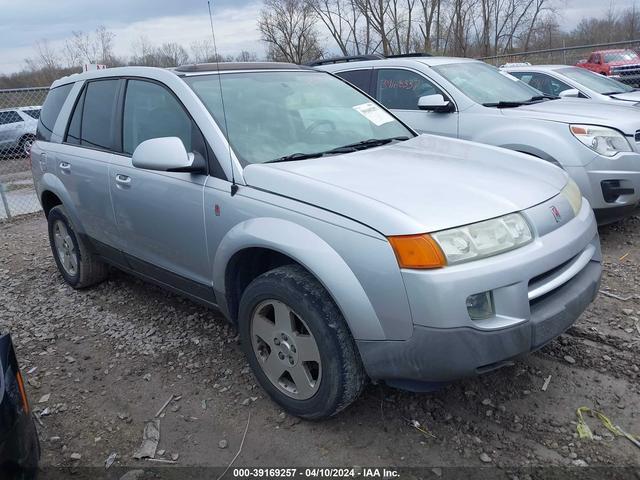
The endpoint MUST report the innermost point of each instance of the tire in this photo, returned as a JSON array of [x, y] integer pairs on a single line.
[[338, 378], [25, 144], [78, 267]]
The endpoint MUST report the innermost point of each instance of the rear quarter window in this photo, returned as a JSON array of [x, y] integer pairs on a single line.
[[358, 78], [51, 110], [10, 116]]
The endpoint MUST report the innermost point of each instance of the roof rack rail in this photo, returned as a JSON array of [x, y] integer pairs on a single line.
[[352, 58], [410, 55]]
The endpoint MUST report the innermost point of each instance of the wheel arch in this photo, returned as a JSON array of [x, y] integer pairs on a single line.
[[51, 193], [271, 242]]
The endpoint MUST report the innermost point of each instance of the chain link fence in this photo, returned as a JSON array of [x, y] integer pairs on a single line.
[[622, 64], [19, 113]]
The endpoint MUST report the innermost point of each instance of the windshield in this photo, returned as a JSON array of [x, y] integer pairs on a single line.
[[271, 115], [597, 83], [486, 84], [625, 56]]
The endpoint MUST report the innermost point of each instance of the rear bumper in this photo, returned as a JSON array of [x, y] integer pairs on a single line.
[[444, 354]]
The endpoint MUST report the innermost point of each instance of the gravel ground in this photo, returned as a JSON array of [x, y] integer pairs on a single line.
[[103, 361]]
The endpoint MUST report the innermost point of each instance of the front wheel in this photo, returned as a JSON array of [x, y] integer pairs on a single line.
[[298, 343]]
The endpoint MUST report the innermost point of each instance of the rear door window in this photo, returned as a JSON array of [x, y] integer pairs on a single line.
[[401, 89], [51, 110], [99, 114]]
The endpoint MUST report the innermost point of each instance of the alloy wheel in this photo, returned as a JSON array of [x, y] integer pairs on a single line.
[[286, 349], [65, 248]]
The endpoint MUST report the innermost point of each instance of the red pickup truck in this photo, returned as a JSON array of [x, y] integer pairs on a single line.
[[623, 65]]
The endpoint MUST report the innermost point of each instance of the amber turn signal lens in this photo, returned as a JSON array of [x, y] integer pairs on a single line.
[[23, 394], [417, 251]]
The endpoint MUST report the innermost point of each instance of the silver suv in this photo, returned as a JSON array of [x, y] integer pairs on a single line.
[[597, 144], [342, 245], [574, 82], [18, 129]]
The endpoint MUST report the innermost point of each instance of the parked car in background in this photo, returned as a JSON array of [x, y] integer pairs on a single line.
[[18, 129], [596, 144], [621, 64], [574, 82], [19, 445], [342, 244]]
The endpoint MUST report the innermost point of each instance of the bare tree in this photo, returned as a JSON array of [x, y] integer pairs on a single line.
[[288, 29], [96, 47], [202, 51], [376, 13], [246, 56], [46, 57], [172, 55]]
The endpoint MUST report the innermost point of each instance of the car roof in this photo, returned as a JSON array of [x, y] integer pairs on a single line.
[[538, 67], [181, 71], [396, 62]]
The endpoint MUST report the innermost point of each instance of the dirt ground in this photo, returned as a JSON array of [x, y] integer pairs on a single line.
[[101, 362]]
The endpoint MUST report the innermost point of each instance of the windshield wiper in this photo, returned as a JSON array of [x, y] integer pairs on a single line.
[[505, 104], [372, 142], [514, 104], [537, 98], [612, 93], [296, 156], [352, 147]]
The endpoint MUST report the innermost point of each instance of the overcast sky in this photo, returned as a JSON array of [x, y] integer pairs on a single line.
[[183, 21]]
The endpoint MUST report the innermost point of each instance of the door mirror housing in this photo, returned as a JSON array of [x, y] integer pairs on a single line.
[[435, 103], [167, 154], [570, 93]]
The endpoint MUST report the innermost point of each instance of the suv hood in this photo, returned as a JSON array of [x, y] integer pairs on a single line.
[[619, 116], [628, 96], [424, 184]]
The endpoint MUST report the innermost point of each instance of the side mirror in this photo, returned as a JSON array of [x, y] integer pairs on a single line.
[[570, 93], [166, 154], [435, 103]]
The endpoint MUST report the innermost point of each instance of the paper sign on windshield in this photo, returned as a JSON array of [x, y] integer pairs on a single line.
[[373, 113]]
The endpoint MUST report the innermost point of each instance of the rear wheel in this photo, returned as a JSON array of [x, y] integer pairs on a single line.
[[78, 266], [298, 343]]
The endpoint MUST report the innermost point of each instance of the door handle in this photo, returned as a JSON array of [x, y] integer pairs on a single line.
[[123, 180], [65, 167]]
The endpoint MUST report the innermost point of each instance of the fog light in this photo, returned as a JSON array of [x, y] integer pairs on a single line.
[[480, 306]]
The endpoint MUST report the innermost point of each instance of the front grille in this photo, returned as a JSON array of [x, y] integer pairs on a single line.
[[549, 273], [626, 69]]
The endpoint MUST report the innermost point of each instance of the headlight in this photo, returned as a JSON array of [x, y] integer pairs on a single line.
[[483, 239], [571, 191], [605, 141]]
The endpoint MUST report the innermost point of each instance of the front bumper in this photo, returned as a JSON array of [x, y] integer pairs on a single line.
[[539, 291], [611, 185], [440, 355]]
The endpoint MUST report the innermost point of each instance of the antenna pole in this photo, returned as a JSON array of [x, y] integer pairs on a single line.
[[234, 186]]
